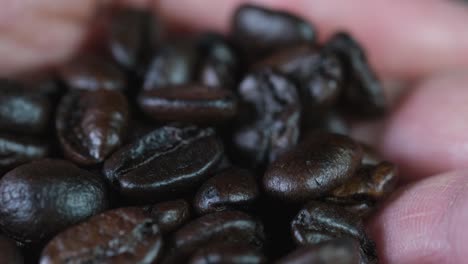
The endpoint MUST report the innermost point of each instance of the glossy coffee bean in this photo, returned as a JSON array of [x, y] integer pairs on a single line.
[[119, 236], [319, 222], [363, 93], [133, 33], [231, 188], [42, 198], [269, 116], [189, 103], [361, 207], [22, 111], [312, 169], [17, 150], [260, 30], [219, 65], [169, 215], [228, 227], [91, 72], [174, 64], [370, 183], [228, 254], [9, 252], [337, 251], [167, 162], [91, 124]]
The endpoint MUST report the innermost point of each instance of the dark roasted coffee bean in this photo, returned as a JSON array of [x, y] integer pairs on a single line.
[[229, 227], [269, 116], [17, 150], [119, 236], [22, 111], [189, 103], [92, 72], [363, 92], [318, 222], [260, 31], [231, 188], [318, 75], [9, 252], [219, 66], [133, 33], [91, 124], [362, 208], [228, 254], [337, 251], [174, 64], [40, 199], [312, 169], [370, 183], [167, 162], [370, 157], [169, 215]]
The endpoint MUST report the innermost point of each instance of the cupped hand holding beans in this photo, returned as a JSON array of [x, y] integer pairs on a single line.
[[422, 46]]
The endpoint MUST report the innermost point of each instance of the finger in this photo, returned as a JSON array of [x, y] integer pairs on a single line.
[[404, 38], [425, 222], [426, 133]]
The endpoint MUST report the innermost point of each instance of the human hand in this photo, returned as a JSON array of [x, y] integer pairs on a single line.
[[425, 42]]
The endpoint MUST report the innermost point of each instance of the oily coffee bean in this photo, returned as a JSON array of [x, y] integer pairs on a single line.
[[122, 235], [21, 111], [169, 215], [260, 31], [133, 33], [269, 118], [174, 64], [228, 227], [363, 92], [91, 124], [168, 161], [9, 252], [189, 103], [228, 254], [318, 222], [17, 150], [219, 65], [41, 198], [91, 72], [313, 168], [231, 188], [337, 251]]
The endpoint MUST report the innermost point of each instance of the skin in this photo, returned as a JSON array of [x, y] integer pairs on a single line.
[[421, 42]]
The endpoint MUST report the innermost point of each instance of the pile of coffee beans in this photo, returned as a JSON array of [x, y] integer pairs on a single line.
[[163, 148]]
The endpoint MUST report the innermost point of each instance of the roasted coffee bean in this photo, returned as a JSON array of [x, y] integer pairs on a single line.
[[260, 31], [362, 208], [363, 92], [312, 169], [219, 66], [133, 33], [269, 120], [167, 162], [228, 254], [318, 75], [91, 72], [22, 111], [169, 215], [41, 198], [229, 227], [9, 252], [370, 183], [122, 235], [189, 103], [174, 64], [319, 222], [91, 124], [337, 251], [17, 150], [330, 122], [370, 157], [231, 188]]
